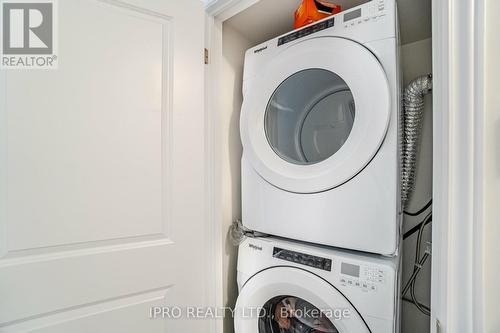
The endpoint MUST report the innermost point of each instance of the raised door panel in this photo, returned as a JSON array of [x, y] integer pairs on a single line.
[[84, 141]]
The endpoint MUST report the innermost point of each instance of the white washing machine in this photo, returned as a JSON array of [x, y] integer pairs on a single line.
[[289, 287], [319, 128]]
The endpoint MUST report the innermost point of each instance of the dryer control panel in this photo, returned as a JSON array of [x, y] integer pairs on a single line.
[[322, 25], [374, 11]]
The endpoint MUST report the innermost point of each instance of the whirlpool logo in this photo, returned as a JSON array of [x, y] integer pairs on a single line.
[[29, 34], [255, 247], [260, 49]]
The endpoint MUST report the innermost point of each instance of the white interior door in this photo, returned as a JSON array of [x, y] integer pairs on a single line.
[[101, 172]]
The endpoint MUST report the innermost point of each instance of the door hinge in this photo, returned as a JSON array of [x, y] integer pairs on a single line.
[[206, 56]]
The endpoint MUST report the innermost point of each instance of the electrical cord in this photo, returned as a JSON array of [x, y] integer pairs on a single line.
[[419, 262], [418, 267], [423, 306], [425, 311], [417, 227], [421, 210]]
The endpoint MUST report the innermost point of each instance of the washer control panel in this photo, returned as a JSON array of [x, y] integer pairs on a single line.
[[303, 259], [365, 278]]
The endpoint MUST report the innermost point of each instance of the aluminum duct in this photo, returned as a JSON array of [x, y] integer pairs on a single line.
[[238, 233], [413, 104]]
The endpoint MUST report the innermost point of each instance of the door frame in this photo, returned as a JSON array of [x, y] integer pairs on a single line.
[[459, 223], [458, 291], [217, 11]]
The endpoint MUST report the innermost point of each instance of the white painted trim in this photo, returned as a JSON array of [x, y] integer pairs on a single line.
[[479, 158], [208, 2], [225, 9], [440, 50], [215, 243], [457, 267], [217, 12]]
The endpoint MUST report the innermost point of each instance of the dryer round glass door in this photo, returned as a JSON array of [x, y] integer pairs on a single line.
[[309, 116], [315, 115], [288, 299]]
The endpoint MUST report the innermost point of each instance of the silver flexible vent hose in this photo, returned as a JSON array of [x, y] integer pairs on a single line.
[[413, 104], [238, 233]]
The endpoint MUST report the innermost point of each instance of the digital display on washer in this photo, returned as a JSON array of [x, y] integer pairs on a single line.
[[302, 258], [348, 269], [307, 31], [352, 15]]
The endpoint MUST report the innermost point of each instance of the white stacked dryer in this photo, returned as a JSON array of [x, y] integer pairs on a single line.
[[320, 132]]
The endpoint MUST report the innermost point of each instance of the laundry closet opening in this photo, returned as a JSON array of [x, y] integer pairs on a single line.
[[265, 20]]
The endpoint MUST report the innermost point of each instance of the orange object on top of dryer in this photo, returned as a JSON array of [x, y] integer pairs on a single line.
[[311, 11]]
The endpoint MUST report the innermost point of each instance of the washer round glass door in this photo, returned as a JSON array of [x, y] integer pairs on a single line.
[[286, 313], [316, 115], [288, 299]]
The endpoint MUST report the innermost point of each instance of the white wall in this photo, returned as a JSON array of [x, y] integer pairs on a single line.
[[234, 46], [492, 169], [416, 61]]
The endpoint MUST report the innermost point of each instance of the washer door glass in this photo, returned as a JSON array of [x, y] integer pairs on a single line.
[[290, 314], [309, 116], [293, 300]]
